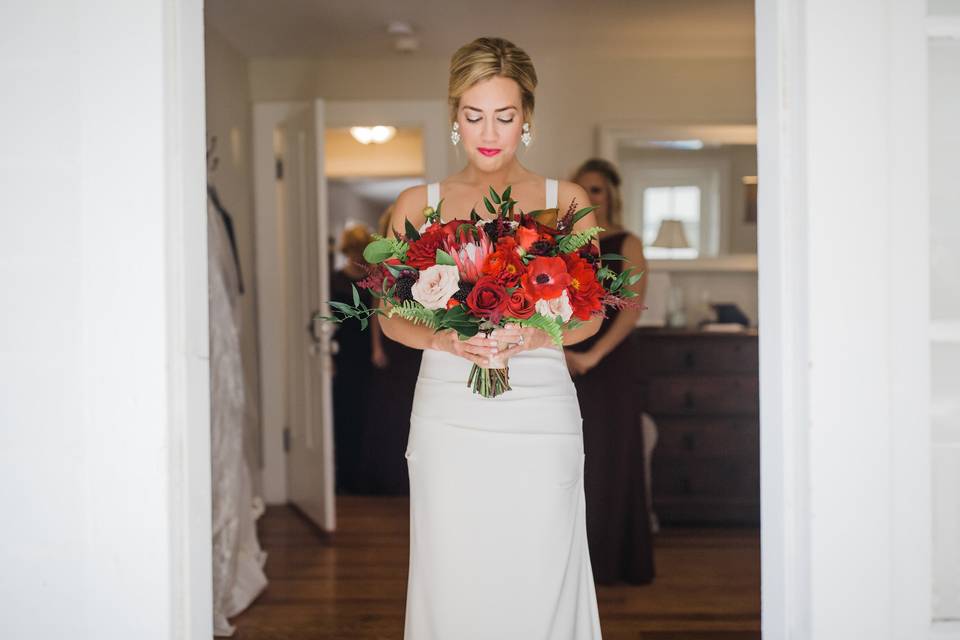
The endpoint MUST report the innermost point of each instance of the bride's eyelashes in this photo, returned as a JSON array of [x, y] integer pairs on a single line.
[[498, 120]]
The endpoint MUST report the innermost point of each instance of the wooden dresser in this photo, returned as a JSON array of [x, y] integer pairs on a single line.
[[703, 393]]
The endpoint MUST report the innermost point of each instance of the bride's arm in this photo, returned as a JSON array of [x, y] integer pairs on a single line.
[[567, 192], [477, 349], [534, 338]]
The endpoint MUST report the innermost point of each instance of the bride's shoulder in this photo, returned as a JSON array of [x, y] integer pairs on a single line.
[[412, 196], [569, 192], [410, 204]]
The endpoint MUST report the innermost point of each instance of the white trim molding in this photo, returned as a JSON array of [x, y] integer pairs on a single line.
[[845, 435], [190, 526]]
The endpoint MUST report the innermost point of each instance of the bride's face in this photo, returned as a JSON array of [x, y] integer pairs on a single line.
[[491, 121]]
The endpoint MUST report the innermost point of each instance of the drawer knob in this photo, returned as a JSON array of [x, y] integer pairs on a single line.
[[685, 485], [688, 401], [689, 360], [688, 441]]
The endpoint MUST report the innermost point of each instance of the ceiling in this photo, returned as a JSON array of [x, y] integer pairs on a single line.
[[598, 28]]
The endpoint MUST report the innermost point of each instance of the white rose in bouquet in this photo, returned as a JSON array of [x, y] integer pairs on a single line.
[[436, 285], [559, 306]]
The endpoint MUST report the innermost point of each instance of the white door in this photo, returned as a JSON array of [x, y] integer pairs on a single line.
[[302, 206]]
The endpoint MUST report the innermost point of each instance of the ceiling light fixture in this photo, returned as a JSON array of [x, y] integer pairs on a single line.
[[377, 134]]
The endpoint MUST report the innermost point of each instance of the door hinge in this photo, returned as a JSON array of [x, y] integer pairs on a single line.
[[279, 168], [286, 439]]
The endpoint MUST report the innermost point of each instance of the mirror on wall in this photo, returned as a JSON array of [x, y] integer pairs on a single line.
[[689, 192]]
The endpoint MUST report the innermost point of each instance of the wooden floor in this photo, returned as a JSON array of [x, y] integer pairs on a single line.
[[352, 585]]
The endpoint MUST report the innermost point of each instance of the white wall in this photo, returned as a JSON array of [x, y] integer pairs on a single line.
[[103, 376], [230, 118], [573, 96]]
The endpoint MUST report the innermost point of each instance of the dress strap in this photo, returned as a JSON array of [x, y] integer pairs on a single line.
[[552, 185], [433, 194]]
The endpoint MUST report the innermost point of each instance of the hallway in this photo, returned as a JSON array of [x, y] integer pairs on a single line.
[[352, 586]]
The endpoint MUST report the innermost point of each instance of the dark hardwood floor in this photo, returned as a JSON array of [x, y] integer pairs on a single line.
[[352, 585]]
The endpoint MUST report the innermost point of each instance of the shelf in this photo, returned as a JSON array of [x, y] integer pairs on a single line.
[[737, 263]]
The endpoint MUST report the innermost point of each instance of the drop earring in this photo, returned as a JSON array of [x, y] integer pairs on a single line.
[[525, 137], [455, 133]]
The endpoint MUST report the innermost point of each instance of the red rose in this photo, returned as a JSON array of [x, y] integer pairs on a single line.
[[488, 299], [526, 237], [520, 305], [584, 290], [545, 278]]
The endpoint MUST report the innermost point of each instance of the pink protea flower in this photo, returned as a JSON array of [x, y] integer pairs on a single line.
[[470, 256]]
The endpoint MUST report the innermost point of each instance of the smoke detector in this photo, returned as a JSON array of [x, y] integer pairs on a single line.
[[404, 39]]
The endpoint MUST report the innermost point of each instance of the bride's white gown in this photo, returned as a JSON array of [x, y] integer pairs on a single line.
[[498, 541]]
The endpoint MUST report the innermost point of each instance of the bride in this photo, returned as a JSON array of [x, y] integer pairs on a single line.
[[498, 544]]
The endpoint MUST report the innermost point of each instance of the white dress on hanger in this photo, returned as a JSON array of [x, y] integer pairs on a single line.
[[238, 560], [498, 541]]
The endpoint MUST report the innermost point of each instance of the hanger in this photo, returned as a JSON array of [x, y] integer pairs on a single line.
[[212, 162]]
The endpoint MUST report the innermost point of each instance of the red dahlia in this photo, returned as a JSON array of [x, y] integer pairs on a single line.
[[584, 290]]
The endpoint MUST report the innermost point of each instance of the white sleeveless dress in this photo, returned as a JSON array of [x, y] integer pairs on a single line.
[[498, 540]]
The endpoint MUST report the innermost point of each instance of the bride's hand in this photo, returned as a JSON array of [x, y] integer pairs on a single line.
[[478, 349], [520, 339]]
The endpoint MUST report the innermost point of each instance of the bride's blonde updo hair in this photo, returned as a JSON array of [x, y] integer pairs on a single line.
[[486, 58]]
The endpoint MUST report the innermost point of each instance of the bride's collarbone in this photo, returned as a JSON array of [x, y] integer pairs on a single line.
[[460, 197]]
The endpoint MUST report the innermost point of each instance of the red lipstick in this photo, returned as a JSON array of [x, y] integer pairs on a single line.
[[488, 152]]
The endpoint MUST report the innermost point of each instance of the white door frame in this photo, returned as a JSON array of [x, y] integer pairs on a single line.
[[428, 115], [845, 461], [190, 602], [843, 505]]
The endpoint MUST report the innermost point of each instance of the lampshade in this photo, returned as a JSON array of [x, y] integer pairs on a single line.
[[671, 235]]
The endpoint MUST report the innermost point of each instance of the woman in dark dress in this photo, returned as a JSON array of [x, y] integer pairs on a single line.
[[352, 366], [396, 367], [611, 394]]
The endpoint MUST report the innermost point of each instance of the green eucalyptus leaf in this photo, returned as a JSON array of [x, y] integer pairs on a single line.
[[445, 258], [493, 194], [612, 256], [378, 251]]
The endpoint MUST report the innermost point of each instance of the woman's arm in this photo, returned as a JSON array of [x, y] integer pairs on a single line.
[[567, 193], [409, 206], [626, 320], [535, 338]]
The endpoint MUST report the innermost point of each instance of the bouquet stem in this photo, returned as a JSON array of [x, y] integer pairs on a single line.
[[489, 383]]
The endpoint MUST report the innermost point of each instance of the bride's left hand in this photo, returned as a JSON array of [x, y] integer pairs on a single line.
[[520, 339]]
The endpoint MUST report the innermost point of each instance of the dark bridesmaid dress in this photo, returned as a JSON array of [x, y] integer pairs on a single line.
[[351, 389], [384, 465], [611, 402]]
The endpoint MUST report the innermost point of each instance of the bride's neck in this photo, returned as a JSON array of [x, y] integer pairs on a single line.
[[499, 179]]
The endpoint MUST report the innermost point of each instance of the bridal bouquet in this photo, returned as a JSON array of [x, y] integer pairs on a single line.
[[476, 275]]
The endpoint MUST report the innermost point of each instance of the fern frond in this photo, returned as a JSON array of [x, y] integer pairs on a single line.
[[415, 313], [542, 322], [575, 241]]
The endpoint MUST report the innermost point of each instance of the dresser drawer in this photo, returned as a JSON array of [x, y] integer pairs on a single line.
[[708, 436], [710, 354], [730, 477], [703, 395]]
